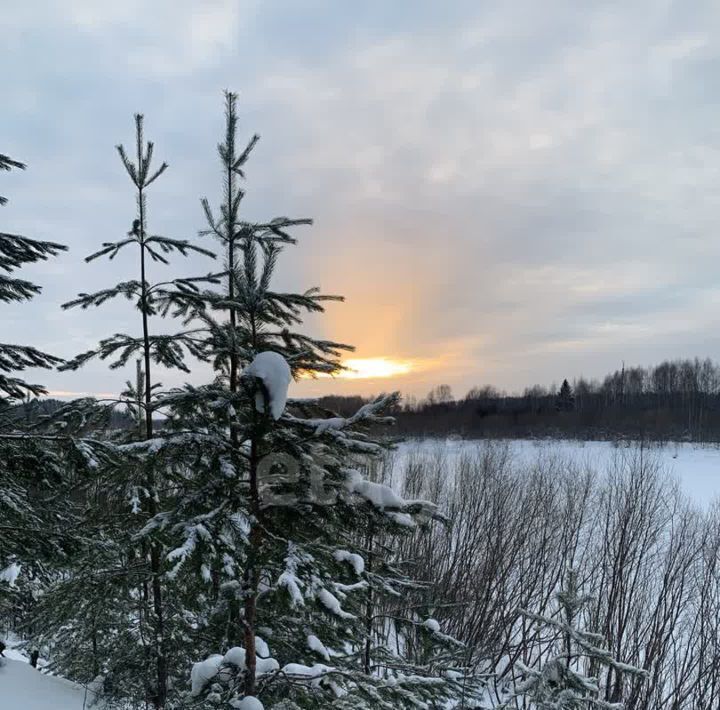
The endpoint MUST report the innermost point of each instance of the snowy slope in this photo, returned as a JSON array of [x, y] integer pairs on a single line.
[[22, 687]]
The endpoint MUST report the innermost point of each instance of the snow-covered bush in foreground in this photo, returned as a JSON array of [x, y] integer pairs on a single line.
[[562, 682]]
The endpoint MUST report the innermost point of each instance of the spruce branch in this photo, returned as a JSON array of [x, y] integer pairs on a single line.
[[111, 248], [16, 251], [7, 163], [128, 289], [180, 245]]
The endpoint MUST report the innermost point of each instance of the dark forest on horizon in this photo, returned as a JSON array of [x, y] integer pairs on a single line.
[[677, 400]]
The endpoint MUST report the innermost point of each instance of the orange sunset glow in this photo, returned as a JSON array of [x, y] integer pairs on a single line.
[[375, 367], [371, 374]]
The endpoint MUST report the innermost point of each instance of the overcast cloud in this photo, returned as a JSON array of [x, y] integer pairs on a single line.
[[505, 192]]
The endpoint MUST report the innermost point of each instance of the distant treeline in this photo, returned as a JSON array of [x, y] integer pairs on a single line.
[[675, 400]]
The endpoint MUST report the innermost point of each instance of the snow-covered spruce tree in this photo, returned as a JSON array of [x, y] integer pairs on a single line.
[[29, 471], [274, 509], [15, 252], [561, 682], [565, 401], [132, 570]]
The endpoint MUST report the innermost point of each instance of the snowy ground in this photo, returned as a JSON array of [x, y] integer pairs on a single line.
[[22, 687], [696, 466]]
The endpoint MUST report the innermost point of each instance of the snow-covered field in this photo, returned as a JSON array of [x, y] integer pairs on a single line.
[[697, 467]]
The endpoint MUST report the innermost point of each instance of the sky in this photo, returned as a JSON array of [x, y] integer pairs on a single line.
[[506, 192]]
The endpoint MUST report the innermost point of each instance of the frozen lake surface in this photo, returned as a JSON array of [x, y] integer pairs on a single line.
[[696, 466]]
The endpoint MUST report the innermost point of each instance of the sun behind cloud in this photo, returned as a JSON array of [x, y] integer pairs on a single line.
[[374, 367]]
